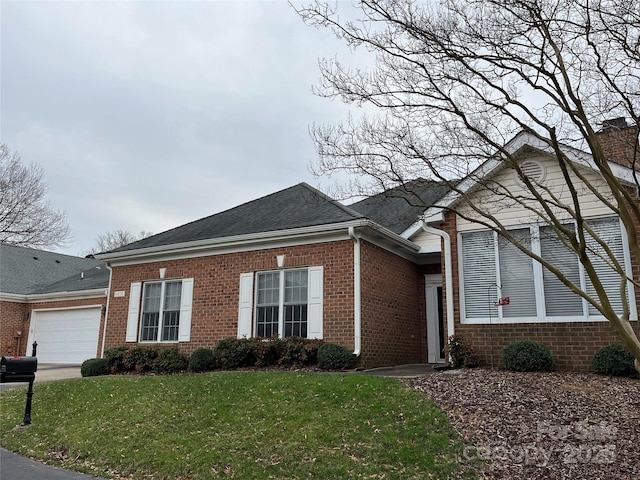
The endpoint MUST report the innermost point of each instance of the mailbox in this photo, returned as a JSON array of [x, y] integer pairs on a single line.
[[18, 369]]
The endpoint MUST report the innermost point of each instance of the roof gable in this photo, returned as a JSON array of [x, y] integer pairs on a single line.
[[522, 144], [295, 207]]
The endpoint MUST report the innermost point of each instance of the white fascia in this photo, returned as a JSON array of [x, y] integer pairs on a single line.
[[253, 241], [54, 296]]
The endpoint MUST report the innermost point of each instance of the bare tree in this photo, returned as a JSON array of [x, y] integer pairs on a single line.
[[456, 80], [114, 239], [27, 219]]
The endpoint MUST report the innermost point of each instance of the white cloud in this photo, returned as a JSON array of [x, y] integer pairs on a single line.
[[146, 115]]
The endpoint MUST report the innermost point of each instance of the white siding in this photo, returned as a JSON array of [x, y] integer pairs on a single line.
[[509, 214], [428, 242]]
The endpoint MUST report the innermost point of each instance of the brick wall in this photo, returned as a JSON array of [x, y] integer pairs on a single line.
[[216, 290], [393, 312], [12, 317], [18, 316], [572, 344], [620, 145]]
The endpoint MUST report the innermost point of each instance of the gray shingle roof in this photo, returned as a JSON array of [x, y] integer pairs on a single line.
[[398, 208], [25, 271], [295, 207]]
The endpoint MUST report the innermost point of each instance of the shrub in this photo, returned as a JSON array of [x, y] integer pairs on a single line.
[[614, 360], [527, 356], [202, 360], [115, 359], [235, 352], [170, 360], [334, 357], [299, 351], [139, 359], [267, 351], [461, 352], [94, 367]]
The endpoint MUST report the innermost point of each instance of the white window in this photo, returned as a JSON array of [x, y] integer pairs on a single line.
[[492, 267], [287, 303], [164, 312]]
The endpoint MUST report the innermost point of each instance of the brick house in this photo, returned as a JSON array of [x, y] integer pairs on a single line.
[[373, 276], [55, 300]]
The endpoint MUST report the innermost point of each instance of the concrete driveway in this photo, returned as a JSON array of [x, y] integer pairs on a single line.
[[49, 372]]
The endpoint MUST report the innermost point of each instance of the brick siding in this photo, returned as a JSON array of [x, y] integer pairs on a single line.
[[216, 290], [393, 311]]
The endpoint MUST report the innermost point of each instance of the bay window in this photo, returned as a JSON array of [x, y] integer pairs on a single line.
[[491, 267]]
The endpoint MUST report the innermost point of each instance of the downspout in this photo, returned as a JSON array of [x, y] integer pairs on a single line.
[[357, 321], [448, 273], [106, 313]]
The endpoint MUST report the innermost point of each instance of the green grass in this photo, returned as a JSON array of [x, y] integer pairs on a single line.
[[245, 425]]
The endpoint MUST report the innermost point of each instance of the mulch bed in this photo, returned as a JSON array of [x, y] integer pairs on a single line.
[[553, 425]]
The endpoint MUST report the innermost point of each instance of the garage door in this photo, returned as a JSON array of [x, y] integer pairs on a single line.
[[65, 336]]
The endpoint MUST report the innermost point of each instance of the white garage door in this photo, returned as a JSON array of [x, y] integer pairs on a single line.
[[65, 336]]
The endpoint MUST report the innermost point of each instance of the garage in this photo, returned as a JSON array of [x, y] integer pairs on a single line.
[[67, 335]]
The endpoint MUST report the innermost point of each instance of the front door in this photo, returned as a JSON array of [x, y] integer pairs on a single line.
[[435, 319]]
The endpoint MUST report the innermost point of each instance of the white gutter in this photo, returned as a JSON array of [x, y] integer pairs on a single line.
[[357, 318], [448, 274], [53, 296], [253, 239], [106, 313]]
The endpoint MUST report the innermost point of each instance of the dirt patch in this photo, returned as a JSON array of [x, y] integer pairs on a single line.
[[559, 425]]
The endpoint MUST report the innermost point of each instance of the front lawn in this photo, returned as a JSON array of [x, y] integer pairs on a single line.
[[245, 425]]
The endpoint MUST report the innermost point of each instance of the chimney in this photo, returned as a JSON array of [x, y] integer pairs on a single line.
[[619, 142]]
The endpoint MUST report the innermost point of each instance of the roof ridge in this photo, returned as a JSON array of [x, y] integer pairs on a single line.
[[333, 201]]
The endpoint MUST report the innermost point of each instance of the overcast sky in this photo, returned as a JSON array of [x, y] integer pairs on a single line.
[[148, 115]]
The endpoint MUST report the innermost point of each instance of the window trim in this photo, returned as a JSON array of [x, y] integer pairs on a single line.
[[281, 299], [161, 310], [538, 282]]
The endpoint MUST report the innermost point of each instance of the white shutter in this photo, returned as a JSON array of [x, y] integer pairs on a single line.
[[245, 308], [186, 301], [315, 299], [478, 274], [516, 275], [608, 230], [133, 312]]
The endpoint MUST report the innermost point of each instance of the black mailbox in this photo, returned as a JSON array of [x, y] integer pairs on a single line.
[[18, 369]]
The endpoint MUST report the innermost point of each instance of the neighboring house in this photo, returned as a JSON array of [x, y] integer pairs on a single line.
[[55, 300], [369, 276]]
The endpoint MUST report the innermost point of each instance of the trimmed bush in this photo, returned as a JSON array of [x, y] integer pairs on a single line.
[[94, 367], [202, 360], [235, 352], [614, 360], [527, 356], [140, 359], [461, 352], [170, 360], [299, 351], [115, 359], [334, 357], [267, 351]]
